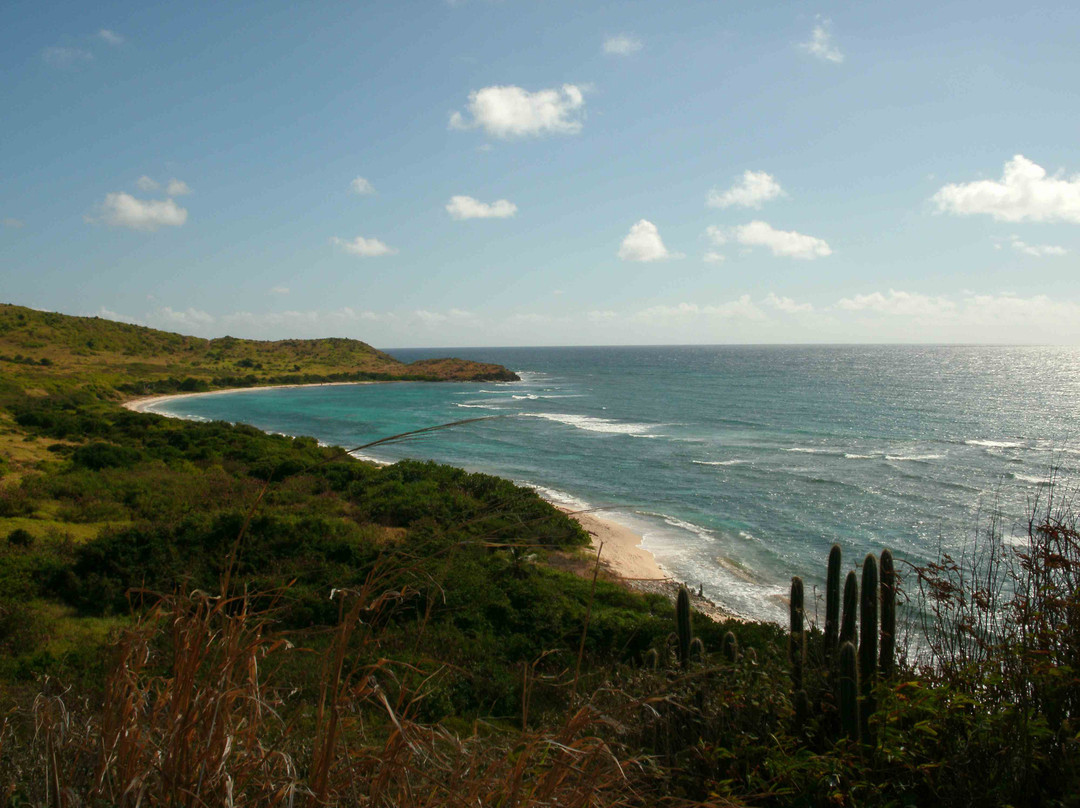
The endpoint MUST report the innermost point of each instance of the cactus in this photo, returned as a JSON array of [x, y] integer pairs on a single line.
[[797, 641], [682, 623], [849, 690], [731, 647], [868, 641], [888, 615], [802, 709], [751, 655], [832, 605], [851, 602], [697, 649]]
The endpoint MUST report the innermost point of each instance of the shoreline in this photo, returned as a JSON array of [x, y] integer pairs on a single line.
[[143, 403], [623, 559]]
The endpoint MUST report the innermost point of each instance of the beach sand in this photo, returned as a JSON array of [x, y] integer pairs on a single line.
[[624, 561], [143, 403], [622, 558]]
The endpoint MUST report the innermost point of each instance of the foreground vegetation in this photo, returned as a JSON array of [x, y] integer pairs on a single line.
[[203, 614]]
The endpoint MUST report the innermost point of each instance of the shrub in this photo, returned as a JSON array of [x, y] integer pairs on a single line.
[[20, 538]]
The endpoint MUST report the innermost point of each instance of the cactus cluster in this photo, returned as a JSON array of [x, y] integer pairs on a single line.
[[857, 647]]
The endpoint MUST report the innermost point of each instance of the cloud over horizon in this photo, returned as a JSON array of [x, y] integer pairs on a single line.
[[1024, 193], [821, 44], [510, 112]]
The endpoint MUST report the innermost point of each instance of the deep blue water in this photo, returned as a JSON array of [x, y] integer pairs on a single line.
[[740, 465]]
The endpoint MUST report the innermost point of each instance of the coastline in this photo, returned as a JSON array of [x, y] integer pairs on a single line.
[[143, 403], [623, 559]]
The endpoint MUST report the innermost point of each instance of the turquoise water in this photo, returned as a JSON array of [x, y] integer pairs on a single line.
[[739, 465]]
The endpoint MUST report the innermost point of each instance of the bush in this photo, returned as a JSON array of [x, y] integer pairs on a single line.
[[20, 538]]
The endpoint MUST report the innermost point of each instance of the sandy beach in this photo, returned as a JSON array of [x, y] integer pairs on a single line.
[[624, 560], [622, 557], [143, 403]]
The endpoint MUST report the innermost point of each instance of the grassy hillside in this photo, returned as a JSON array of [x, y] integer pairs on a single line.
[[203, 614], [51, 351]]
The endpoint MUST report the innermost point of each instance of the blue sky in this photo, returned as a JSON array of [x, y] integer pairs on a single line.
[[531, 172]]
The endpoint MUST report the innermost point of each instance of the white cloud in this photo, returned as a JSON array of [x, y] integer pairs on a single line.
[[364, 247], [1024, 193], [821, 44], [742, 307], [899, 303], [124, 210], [713, 257], [362, 186], [57, 56], [643, 243], [755, 188], [786, 304], [189, 318], [110, 37], [465, 207], [456, 316], [14, 223], [508, 112], [1037, 250], [177, 188], [622, 45], [785, 243], [600, 316], [145, 183], [279, 290]]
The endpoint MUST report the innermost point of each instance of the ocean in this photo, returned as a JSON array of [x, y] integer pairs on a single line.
[[740, 465]]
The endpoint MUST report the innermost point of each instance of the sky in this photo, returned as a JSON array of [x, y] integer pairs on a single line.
[[426, 173]]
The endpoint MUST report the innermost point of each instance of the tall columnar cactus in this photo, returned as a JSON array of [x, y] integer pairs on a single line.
[[797, 640], [682, 623], [868, 641], [731, 647], [849, 691], [888, 615], [832, 605], [851, 603]]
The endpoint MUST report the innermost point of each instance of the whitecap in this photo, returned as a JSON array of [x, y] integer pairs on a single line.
[[995, 444], [914, 458], [591, 424], [557, 497], [717, 462]]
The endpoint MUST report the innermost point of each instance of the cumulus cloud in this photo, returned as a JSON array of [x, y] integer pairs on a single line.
[[785, 243], [362, 186], [124, 210], [899, 303], [622, 45], [60, 57], [1037, 250], [110, 37], [821, 44], [786, 304], [754, 189], [465, 207], [145, 183], [177, 188], [1024, 193], [643, 243], [509, 112], [189, 318], [363, 247], [713, 257]]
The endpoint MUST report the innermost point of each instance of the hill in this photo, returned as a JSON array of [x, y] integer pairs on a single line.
[[50, 351]]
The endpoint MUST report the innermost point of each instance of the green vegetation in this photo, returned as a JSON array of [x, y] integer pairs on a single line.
[[201, 613]]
